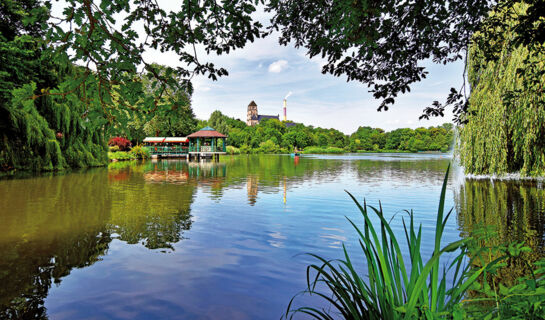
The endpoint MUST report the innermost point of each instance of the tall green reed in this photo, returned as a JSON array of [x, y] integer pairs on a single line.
[[391, 289]]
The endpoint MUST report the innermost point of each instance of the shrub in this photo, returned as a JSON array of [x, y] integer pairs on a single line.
[[245, 149], [268, 147], [114, 148], [140, 152], [121, 142], [120, 155], [310, 150], [232, 150]]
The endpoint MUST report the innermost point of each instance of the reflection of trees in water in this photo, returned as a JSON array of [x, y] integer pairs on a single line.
[[51, 225], [151, 213], [423, 171], [516, 210], [271, 173], [28, 270]]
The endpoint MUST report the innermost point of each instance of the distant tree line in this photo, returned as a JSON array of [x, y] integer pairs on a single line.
[[271, 135]]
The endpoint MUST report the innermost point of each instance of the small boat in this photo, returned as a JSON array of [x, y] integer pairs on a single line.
[[295, 154]]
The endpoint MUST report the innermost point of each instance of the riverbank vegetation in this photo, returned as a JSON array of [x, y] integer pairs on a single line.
[[273, 136], [57, 114], [135, 153]]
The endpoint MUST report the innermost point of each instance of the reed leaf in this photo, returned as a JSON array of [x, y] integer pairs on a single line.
[[390, 290]]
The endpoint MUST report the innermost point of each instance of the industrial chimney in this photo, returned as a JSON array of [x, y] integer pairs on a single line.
[[285, 117]]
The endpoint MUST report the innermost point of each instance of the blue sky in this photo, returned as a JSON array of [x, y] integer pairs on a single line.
[[265, 72]]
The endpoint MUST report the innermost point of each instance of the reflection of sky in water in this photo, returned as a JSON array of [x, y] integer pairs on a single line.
[[239, 256]]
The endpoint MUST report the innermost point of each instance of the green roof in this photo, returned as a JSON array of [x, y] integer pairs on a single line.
[[207, 128]]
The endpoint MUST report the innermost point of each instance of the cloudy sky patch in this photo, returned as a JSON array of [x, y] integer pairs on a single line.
[[278, 66]]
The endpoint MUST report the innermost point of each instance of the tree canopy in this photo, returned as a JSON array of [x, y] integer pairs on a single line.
[[379, 43]]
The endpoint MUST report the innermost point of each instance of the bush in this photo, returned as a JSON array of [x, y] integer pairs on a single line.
[[309, 150], [122, 143], [120, 155], [268, 147], [334, 150], [245, 149], [232, 150], [140, 152], [114, 148]]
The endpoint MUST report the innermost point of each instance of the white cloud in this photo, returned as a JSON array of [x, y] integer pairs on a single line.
[[278, 66]]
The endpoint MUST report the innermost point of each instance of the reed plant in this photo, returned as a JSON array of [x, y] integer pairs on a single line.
[[395, 287]]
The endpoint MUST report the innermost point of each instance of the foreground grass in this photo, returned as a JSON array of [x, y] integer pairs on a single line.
[[414, 288]]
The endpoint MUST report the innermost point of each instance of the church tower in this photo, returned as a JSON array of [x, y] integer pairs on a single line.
[[252, 119]]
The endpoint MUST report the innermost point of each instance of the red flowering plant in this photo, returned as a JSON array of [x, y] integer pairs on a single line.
[[120, 142]]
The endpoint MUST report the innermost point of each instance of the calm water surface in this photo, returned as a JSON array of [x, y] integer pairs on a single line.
[[179, 240]]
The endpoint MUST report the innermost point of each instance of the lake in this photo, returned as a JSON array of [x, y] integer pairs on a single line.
[[177, 240]]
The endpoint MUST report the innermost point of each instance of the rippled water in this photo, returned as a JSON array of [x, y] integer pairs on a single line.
[[172, 239]]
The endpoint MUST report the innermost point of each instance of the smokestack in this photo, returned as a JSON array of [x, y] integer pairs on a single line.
[[285, 117]]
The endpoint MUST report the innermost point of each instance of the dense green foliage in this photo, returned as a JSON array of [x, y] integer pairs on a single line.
[[506, 126], [422, 139], [55, 115], [271, 135], [43, 123], [172, 117]]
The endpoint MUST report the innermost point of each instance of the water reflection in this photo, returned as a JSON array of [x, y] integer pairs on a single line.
[[234, 257], [50, 226], [510, 211]]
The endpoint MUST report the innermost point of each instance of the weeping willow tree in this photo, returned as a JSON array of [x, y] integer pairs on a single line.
[[505, 129], [43, 112], [49, 131]]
